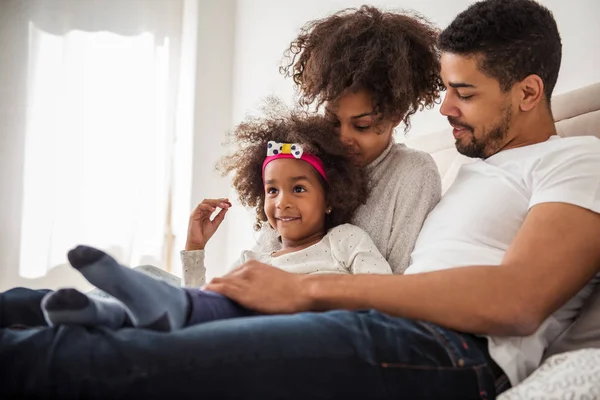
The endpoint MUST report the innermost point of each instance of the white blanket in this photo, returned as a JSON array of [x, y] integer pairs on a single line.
[[574, 375]]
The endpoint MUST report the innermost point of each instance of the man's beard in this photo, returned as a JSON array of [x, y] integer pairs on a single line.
[[491, 140]]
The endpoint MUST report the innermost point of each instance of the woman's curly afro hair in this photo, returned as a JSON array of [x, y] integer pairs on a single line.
[[346, 187], [392, 55]]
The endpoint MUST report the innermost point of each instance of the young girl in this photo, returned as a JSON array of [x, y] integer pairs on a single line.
[[298, 178]]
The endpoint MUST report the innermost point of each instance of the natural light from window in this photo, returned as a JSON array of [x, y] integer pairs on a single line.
[[97, 148]]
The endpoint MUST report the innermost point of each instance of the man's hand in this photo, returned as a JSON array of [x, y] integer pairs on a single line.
[[263, 288]]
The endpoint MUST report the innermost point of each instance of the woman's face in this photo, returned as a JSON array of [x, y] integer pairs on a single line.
[[354, 118]]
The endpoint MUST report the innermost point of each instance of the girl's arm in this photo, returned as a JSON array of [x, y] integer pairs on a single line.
[[194, 270]]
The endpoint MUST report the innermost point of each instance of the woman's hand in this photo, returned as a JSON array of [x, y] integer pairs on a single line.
[[201, 228], [263, 288]]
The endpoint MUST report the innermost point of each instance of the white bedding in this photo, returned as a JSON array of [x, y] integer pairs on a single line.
[[574, 375]]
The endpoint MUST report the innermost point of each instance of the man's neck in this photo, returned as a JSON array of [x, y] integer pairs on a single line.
[[535, 129]]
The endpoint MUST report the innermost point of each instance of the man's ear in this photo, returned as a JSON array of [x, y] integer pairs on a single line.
[[531, 92]]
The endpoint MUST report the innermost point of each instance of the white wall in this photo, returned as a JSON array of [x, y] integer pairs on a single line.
[[213, 117], [264, 29]]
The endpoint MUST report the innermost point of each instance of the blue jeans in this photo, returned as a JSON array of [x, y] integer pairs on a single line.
[[330, 355], [21, 306]]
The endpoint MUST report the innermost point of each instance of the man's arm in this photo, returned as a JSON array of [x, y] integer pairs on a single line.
[[556, 252]]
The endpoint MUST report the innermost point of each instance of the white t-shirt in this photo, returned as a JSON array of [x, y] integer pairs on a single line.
[[480, 215], [345, 249]]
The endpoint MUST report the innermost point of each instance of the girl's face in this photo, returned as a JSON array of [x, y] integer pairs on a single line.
[[295, 203], [354, 119]]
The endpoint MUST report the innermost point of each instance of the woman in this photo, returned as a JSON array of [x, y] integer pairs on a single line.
[[371, 71]]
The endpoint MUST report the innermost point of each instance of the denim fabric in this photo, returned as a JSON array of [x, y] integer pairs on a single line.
[[208, 306], [21, 306], [330, 355]]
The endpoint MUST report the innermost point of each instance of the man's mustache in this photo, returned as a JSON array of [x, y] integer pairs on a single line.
[[454, 122]]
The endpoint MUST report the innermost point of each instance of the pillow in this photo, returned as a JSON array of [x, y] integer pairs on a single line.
[[584, 332], [572, 375]]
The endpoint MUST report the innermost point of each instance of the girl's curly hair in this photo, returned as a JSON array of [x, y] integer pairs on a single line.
[[346, 186], [392, 55]]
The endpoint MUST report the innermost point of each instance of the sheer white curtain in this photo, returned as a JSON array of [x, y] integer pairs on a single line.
[[108, 128]]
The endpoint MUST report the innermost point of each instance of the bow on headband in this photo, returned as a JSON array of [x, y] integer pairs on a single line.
[[274, 148], [292, 150]]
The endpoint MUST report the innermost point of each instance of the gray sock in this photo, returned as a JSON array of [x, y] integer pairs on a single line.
[[152, 304], [71, 307]]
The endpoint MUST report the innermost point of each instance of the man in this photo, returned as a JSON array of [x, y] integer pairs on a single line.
[[508, 256]]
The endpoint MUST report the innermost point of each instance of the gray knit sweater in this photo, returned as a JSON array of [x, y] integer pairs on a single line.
[[404, 186]]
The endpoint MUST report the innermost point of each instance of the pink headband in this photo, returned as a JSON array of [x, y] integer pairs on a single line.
[[292, 150]]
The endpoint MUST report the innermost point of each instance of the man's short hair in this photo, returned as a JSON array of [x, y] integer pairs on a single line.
[[515, 38]]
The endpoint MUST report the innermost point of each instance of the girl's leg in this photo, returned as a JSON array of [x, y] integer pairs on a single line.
[[150, 303], [147, 302], [210, 306], [71, 307]]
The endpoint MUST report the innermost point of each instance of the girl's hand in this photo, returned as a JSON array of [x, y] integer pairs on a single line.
[[201, 228]]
